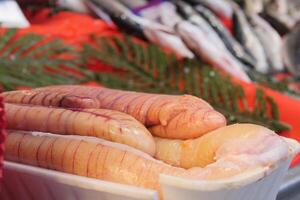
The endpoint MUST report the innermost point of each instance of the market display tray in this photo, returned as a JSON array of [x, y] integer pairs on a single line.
[[33, 183], [30, 183], [290, 188]]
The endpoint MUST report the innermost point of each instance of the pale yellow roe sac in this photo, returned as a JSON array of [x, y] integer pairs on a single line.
[[249, 144]]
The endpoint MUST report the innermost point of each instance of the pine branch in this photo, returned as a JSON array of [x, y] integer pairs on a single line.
[[150, 69], [270, 82], [31, 61]]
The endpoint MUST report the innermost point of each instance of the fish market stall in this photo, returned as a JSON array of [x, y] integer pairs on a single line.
[[150, 99]]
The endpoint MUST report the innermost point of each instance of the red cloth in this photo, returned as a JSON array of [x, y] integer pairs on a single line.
[[74, 28], [2, 135]]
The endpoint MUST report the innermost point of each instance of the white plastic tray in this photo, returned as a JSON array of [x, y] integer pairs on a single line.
[[22, 182], [289, 189]]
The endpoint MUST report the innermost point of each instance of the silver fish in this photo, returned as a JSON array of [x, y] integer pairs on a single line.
[[270, 40], [196, 39], [156, 33], [253, 6], [279, 6], [168, 40], [98, 11], [74, 5], [230, 42], [294, 9], [193, 17], [112, 7], [11, 15], [164, 36], [211, 37], [221, 8], [282, 23], [133, 3], [291, 51], [246, 36], [276, 13], [164, 13]]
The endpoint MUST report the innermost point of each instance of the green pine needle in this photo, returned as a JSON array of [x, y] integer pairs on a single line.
[[150, 69], [29, 61], [281, 86]]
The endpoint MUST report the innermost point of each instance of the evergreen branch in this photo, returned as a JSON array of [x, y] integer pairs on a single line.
[[246, 117], [120, 62], [150, 69], [270, 82], [29, 41], [32, 61], [7, 37]]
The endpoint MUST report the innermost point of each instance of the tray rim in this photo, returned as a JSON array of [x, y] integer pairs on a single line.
[[83, 182]]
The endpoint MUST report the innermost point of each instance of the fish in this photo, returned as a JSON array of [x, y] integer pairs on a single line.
[[74, 5], [230, 42], [283, 24], [164, 13], [146, 29], [118, 14], [291, 51], [246, 36], [169, 41], [281, 14], [222, 8], [253, 6], [276, 13], [169, 15], [192, 33], [133, 3], [270, 39], [294, 9], [205, 49], [279, 6], [188, 13], [11, 15]]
